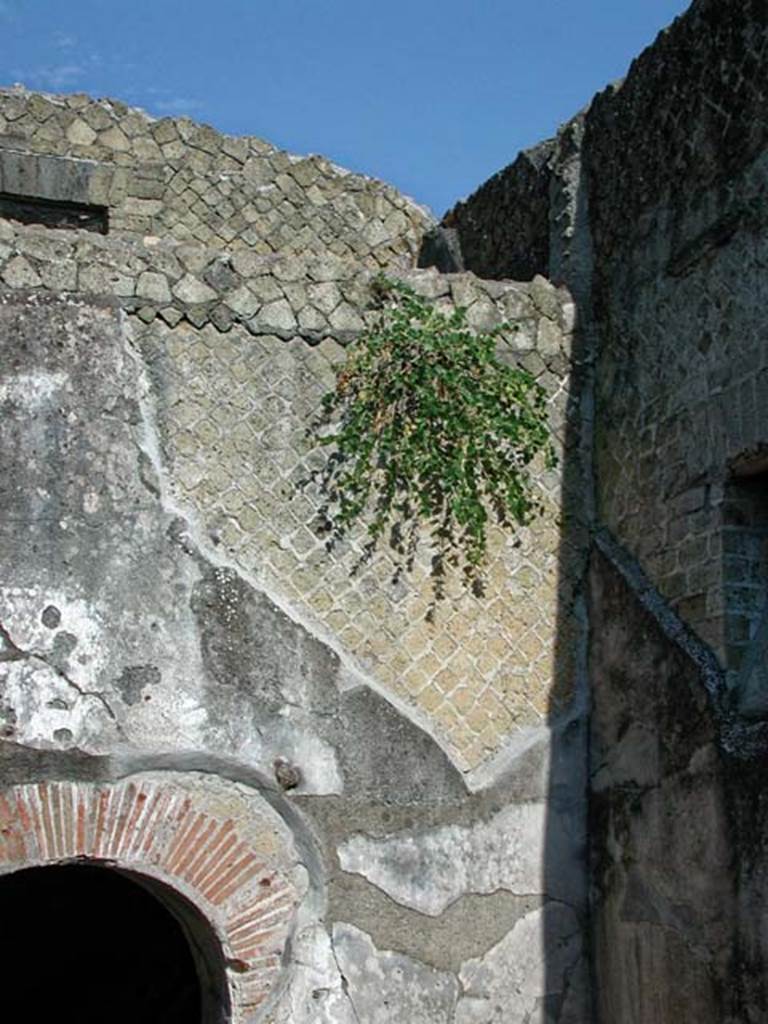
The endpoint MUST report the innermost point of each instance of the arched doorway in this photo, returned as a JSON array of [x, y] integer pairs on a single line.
[[90, 943], [217, 859]]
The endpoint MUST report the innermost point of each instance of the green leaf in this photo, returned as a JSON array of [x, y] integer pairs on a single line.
[[431, 429]]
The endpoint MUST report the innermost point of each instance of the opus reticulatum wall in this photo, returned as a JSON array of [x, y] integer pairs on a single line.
[[463, 817], [168, 601]]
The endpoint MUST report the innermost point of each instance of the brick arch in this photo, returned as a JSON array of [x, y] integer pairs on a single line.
[[180, 836]]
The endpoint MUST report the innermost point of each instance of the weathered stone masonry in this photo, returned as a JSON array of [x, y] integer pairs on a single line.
[[168, 603], [239, 380], [378, 817], [651, 205], [176, 179]]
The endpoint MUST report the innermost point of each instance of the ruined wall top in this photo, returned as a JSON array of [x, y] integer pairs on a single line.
[[177, 179], [688, 117]]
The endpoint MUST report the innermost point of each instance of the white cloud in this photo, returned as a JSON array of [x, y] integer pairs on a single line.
[[178, 105], [64, 40], [53, 76]]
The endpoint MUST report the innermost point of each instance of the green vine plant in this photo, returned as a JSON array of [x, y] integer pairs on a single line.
[[429, 428]]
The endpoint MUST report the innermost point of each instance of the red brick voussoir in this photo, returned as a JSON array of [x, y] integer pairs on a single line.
[[173, 834]]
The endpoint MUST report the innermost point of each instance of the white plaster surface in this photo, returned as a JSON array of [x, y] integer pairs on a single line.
[[427, 871], [31, 389], [49, 711], [315, 993], [511, 982], [297, 743], [21, 611], [385, 986]]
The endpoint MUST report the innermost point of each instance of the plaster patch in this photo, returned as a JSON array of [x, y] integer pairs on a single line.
[[320, 774], [384, 986], [517, 978], [26, 612], [31, 389], [427, 871], [168, 717], [49, 711], [315, 992]]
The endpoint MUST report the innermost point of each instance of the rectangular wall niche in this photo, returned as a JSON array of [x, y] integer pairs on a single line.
[[745, 551], [54, 213]]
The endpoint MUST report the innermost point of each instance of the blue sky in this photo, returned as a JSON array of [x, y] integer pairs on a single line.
[[431, 96]]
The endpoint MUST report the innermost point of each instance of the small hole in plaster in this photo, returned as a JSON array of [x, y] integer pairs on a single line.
[[51, 617]]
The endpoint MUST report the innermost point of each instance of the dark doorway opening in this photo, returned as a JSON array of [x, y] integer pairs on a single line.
[[91, 944]]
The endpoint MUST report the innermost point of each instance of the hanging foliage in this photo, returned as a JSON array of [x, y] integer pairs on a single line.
[[430, 428]]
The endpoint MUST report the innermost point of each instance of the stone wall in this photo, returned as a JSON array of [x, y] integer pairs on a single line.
[[138, 636], [170, 610], [654, 206], [677, 814], [676, 172], [665, 902], [677, 231], [168, 605], [503, 227], [682, 362], [240, 350], [651, 206], [173, 178], [528, 219]]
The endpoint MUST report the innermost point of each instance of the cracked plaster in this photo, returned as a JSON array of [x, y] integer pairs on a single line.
[[427, 871], [201, 647]]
